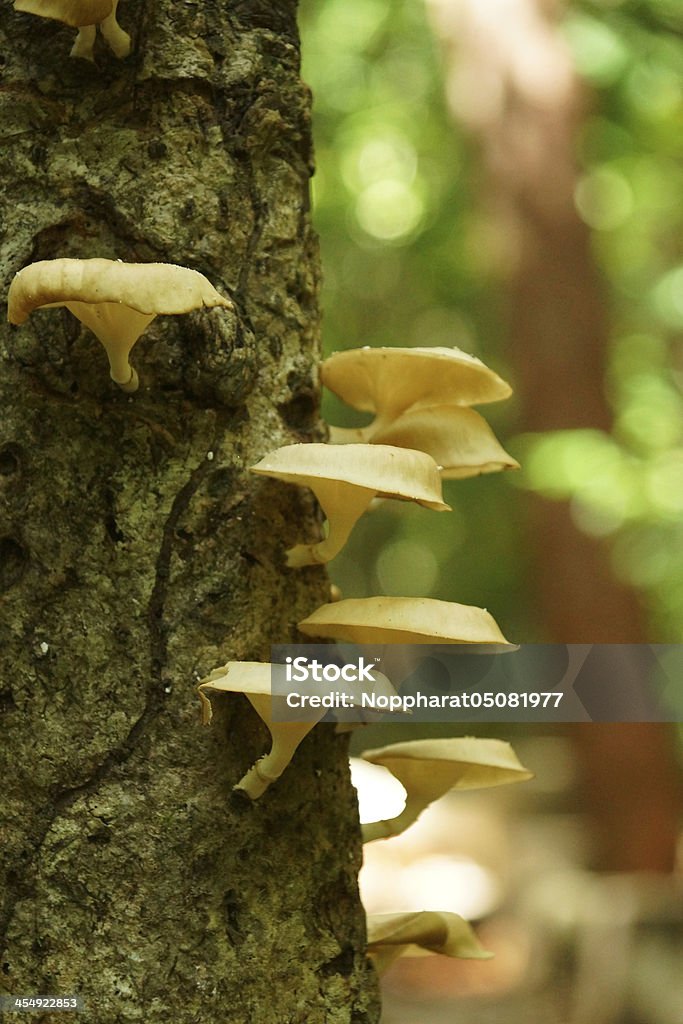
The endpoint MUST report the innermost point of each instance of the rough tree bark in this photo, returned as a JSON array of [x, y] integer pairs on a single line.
[[137, 552]]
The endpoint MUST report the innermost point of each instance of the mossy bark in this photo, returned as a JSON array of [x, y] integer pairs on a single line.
[[137, 552]]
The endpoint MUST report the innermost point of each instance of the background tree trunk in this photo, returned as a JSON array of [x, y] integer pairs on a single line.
[[512, 85], [137, 552]]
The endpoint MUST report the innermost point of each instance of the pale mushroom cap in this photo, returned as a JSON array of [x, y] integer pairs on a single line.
[[437, 931], [251, 678], [407, 620], [459, 440], [240, 677], [149, 288], [389, 380], [429, 768], [254, 678], [389, 472], [71, 12]]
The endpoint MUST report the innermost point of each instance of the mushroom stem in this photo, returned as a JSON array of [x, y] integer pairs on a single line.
[[84, 44], [343, 505], [133, 382], [118, 40], [286, 738], [117, 328], [350, 435], [363, 435], [394, 826]]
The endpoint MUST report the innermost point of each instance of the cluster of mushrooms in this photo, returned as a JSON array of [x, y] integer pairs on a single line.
[[421, 399], [424, 430]]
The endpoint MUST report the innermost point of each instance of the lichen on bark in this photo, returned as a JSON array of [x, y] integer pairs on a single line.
[[137, 552]]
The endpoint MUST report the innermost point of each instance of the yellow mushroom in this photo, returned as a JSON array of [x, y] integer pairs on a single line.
[[421, 933], [116, 300], [406, 620], [428, 769], [345, 479], [255, 680], [84, 15], [71, 12], [396, 621], [387, 381], [458, 439]]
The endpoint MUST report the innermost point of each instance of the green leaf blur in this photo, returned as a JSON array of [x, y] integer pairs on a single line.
[[410, 257]]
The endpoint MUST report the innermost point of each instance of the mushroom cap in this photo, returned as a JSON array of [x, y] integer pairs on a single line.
[[405, 620], [254, 679], [389, 380], [459, 440], [429, 768], [240, 677], [434, 931], [71, 12], [149, 288], [388, 472]]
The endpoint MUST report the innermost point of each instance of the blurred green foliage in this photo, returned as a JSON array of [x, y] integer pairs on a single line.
[[409, 258], [629, 485]]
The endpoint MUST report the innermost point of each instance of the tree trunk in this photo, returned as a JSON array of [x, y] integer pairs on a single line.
[[513, 87], [137, 552]]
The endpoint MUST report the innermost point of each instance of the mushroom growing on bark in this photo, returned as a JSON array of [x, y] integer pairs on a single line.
[[406, 620], [84, 15], [421, 933], [117, 301], [428, 769], [255, 681], [345, 479], [458, 439], [387, 381], [396, 621]]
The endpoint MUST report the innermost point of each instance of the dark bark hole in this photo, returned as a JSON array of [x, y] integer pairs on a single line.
[[343, 963], [6, 701], [10, 459], [6, 968], [240, 801], [221, 483], [275, 347], [13, 559], [113, 531], [249, 558], [101, 837], [299, 413], [232, 912], [361, 1017]]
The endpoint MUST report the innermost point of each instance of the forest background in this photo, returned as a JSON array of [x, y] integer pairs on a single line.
[[428, 122]]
